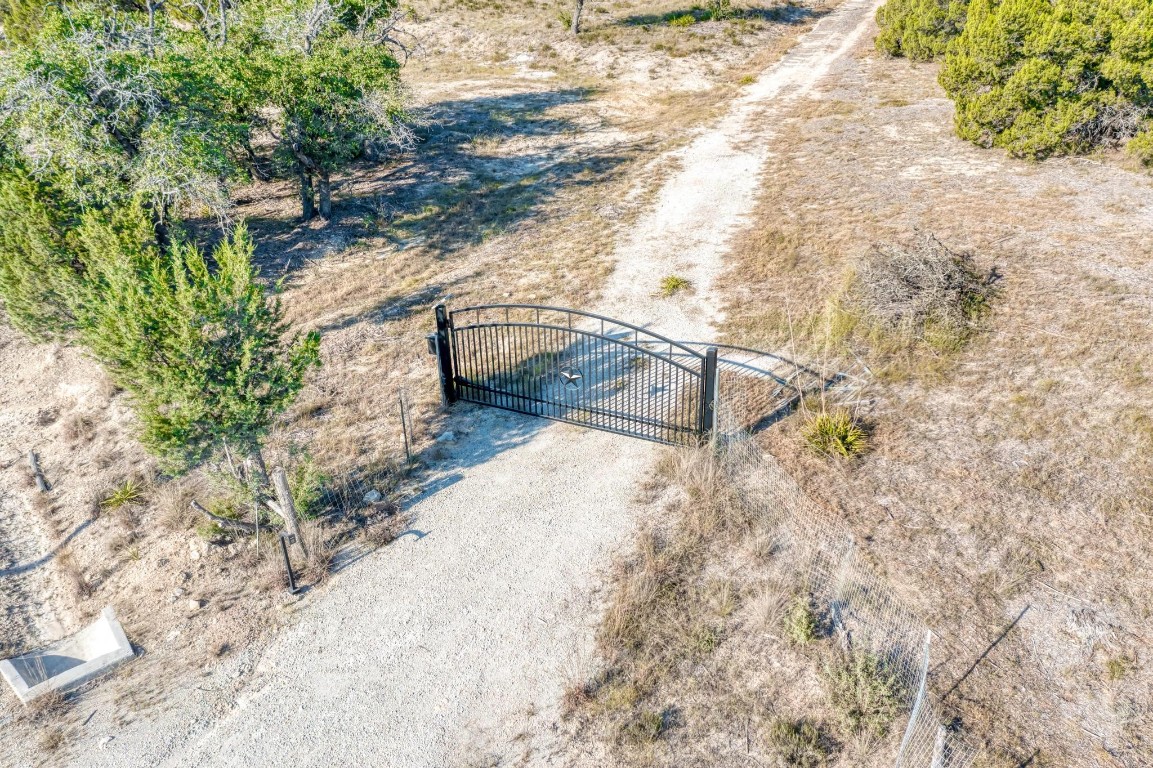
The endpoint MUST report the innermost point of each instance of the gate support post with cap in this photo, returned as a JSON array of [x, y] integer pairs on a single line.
[[443, 352], [708, 420]]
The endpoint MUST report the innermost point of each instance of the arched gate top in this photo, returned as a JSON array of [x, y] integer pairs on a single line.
[[571, 319]]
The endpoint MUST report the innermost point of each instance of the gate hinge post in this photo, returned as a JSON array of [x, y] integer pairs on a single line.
[[709, 394], [443, 353]]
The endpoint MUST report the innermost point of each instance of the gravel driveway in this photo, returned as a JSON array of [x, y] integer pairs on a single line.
[[443, 648]]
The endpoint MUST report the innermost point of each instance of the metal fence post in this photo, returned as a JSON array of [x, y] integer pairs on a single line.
[[709, 393], [404, 427], [285, 539], [444, 356]]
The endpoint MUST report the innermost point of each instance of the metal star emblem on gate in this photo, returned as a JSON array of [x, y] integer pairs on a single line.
[[571, 376]]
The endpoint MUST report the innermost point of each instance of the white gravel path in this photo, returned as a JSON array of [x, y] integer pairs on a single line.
[[701, 207], [453, 645]]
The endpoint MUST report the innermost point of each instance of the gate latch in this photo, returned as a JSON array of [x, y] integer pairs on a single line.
[[432, 344]]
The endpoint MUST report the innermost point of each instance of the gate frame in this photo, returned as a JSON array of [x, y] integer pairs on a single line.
[[440, 345]]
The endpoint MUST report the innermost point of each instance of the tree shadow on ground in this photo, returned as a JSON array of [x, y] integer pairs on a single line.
[[780, 14], [481, 167], [19, 568]]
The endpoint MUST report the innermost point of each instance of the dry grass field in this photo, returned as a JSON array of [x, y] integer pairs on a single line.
[[1012, 474]]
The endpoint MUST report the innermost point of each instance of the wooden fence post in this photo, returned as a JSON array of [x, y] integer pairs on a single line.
[[287, 507]]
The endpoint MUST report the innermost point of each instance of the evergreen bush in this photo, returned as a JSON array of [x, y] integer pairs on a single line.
[[201, 352], [37, 262], [1037, 77], [919, 29]]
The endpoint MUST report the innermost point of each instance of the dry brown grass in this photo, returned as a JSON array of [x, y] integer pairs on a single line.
[[1009, 471], [50, 739], [72, 575], [79, 427], [382, 532], [708, 645], [321, 553]]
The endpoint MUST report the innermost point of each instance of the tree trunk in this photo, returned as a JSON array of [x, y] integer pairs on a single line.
[[324, 186], [306, 205], [287, 507], [257, 459], [576, 16]]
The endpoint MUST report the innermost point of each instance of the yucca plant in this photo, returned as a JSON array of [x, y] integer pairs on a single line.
[[126, 493], [674, 284], [836, 433]]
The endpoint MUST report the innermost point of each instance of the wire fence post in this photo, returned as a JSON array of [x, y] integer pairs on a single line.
[[404, 427]]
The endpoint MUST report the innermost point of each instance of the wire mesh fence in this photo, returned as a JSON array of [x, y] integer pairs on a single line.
[[864, 613]]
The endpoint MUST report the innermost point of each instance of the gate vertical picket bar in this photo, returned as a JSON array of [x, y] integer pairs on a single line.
[[444, 356], [500, 346], [709, 394]]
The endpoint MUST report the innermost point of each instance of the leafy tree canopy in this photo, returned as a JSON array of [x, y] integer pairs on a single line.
[[202, 352], [1037, 77], [332, 87], [107, 107]]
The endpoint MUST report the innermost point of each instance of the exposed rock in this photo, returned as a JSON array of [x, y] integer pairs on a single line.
[[373, 496], [446, 437]]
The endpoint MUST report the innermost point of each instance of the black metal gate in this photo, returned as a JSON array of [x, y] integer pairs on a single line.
[[576, 367]]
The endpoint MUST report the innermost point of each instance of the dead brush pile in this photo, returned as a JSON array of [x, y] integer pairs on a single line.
[[923, 291]]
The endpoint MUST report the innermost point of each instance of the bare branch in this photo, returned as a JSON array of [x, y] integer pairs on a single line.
[[223, 522]]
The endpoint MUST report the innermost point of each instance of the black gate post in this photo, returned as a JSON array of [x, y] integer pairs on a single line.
[[444, 356], [709, 393]]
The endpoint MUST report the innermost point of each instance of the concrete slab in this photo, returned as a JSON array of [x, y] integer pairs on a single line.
[[69, 663]]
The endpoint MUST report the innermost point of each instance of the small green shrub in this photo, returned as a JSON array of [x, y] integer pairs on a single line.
[[720, 10], [684, 20], [674, 284], [1141, 147], [798, 744], [836, 433], [127, 493], [229, 508], [865, 692], [705, 639], [1117, 668], [565, 18], [801, 623]]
